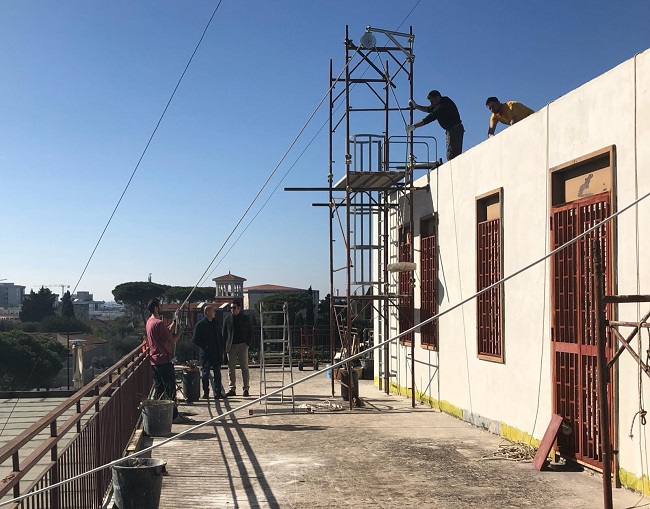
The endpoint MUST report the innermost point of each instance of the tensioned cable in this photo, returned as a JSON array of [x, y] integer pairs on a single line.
[[147, 146], [266, 182], [345, 361], [205, 278]]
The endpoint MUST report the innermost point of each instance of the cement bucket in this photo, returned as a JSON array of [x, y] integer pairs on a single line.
[[157, 416], [137, 483]]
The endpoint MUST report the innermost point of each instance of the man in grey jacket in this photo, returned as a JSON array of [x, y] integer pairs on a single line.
[[238, 333]]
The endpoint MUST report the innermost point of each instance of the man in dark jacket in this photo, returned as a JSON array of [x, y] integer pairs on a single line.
[[238, 333], [207, 337], [444, 110]]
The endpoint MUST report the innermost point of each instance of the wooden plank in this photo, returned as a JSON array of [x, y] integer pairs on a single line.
[[547, 442]]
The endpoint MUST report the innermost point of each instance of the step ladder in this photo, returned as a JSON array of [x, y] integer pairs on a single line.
[[275, 359]]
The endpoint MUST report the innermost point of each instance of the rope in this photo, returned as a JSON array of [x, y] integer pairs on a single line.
[[512, 451], [379, 345]]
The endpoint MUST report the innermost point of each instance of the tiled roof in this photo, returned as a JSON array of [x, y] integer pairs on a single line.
[[228, 277], [272, 288]]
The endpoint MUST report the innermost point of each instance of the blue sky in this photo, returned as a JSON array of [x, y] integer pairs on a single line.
[[84, 84]]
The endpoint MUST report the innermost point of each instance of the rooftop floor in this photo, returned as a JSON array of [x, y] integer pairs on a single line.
[[384, 455]]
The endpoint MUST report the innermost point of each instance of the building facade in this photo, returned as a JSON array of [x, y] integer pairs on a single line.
[[510, 358], [11, 295]]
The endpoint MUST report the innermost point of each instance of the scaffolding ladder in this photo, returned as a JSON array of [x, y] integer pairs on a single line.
[[275, 358]]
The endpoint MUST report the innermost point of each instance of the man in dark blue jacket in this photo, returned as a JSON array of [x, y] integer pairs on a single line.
[[207, 336], [444, 110]]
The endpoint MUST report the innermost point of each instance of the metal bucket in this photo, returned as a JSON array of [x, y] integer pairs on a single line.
[[157, 416], [137, 483]]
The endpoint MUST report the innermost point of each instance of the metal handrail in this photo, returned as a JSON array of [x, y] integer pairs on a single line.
[[86, 445]]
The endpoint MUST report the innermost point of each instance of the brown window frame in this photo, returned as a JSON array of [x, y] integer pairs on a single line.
[[489, 269], [428, 282]]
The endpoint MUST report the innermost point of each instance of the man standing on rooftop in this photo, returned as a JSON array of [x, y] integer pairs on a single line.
[[238, 333], [444, 110], [508, 113], [161, 341], [207, 336]]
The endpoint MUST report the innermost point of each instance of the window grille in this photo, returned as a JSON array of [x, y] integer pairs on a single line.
[[429, 275]]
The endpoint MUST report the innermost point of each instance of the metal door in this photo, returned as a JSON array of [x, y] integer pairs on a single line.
[[573, 323], [405, 300]]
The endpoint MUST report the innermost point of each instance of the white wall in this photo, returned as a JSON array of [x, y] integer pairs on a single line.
[[613, 109]]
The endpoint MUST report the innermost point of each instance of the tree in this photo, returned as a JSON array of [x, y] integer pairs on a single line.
[[37, 306], [67, 308], [123, 334], [323, 318], [29, 361], [62, 324], [299, 303], [309, 317], [137, 294], [179, 294]]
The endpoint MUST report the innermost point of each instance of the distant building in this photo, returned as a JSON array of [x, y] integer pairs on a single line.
[[229, 286], [254, 294], [11, 295], [85, 306]]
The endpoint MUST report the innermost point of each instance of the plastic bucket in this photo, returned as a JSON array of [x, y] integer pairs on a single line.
[[329, 371], [345, 385], [137, 483], [191, 384], [157, 416]]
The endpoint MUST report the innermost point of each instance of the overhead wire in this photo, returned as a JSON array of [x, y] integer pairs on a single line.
[[266, 182], [206, 277], [146, 148]]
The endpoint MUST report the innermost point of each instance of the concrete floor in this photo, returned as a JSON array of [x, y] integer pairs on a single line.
[[385, 455]]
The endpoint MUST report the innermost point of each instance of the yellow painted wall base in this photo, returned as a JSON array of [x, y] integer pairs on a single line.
[[628, 480]]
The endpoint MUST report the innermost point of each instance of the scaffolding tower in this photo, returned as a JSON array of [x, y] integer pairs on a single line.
[[372, 202]]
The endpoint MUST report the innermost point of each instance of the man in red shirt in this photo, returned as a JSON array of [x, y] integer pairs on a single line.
[[161, 341]]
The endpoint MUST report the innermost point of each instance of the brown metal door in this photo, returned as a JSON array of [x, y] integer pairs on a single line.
[[573, 323], [405, 306]]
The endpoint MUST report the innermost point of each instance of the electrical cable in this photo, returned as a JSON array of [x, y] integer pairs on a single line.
[[92, 254], [206, 277], [266, 182]]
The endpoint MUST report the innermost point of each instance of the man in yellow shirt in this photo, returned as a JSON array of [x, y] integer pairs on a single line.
[[507, 113]]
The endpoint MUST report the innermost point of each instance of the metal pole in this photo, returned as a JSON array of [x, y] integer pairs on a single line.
[[602, 373], [409, 195], [348, 202], [330, 181], [69, 354]]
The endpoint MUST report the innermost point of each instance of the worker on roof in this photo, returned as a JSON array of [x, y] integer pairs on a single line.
[[444, 110], [508, 113]]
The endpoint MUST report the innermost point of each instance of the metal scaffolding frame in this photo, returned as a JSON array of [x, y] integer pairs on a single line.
[[373, 198], [363, 200]]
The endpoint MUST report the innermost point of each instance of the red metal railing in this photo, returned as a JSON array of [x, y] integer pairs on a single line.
[[104, 418]]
